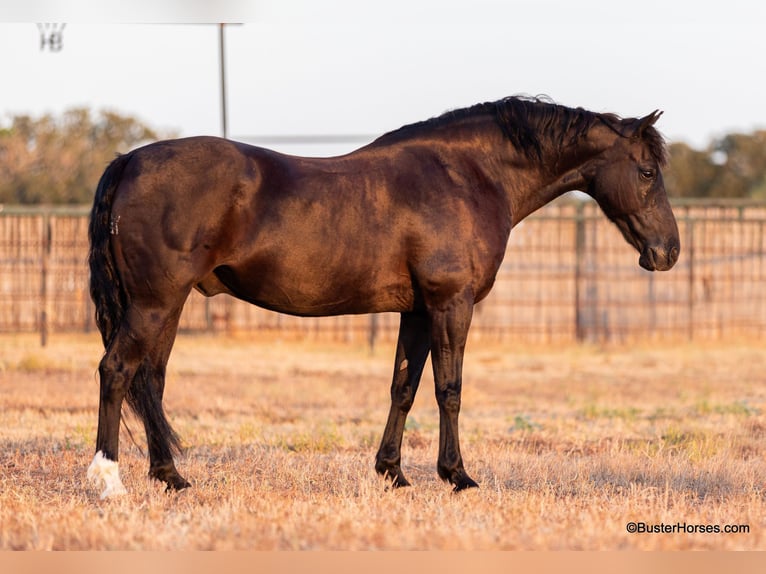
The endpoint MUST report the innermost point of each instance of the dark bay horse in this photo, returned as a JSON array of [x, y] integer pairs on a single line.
[[416, 223]]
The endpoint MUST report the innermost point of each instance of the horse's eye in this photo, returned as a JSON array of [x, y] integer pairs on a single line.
[[647, 173]]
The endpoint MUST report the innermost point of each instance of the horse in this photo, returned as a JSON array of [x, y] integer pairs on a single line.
[[416, 222]]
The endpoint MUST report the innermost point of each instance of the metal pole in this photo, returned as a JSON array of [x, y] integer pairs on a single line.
[[46, 254], [222, 43], [224, 133], [579, 275], [691, 278]]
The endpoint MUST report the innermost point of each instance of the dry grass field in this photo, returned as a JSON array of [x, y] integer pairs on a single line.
[[569, 445]]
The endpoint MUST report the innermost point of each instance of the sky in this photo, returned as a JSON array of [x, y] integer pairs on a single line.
[[351, 67]]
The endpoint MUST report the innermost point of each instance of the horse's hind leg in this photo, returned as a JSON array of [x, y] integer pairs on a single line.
[[133, 368], [117, 370], [412, 350], [161, 439]]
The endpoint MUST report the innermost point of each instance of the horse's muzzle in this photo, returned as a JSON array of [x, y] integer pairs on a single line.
[[659, 258]]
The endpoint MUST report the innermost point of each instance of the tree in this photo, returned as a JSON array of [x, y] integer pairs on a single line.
[[690, 172], [733, 166], [60, 159], [743, 172]]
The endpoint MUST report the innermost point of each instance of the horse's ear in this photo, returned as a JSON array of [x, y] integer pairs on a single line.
[[642, 124]]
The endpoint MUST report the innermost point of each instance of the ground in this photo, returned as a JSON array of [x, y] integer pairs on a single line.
[[570, 446]]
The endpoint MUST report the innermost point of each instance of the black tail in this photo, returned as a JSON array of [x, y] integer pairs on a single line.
[[145, 401], [110, 299], [105, 286]]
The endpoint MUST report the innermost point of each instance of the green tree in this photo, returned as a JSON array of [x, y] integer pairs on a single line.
[[743, 173], [733, 166], [690, 172], [60, 159]]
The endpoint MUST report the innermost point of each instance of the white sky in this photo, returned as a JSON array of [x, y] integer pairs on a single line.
[[356, 67]]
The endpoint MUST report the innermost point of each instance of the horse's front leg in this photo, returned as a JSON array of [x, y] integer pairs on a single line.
[[411, 353], [449, 332]]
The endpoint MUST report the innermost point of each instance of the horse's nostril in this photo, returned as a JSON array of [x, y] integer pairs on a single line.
[[674, 254]]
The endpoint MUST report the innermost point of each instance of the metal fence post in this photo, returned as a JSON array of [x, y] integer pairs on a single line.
[[578, 271], [45, 262], [373, 332], [690, 256]]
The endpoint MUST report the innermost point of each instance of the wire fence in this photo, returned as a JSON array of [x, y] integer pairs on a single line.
[[567, 276]]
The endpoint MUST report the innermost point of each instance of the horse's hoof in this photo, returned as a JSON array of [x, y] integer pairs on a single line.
[[105, 470], [394, 475], [168, 474], [400, 482], [465, 484], [177, 484], [461, 481]]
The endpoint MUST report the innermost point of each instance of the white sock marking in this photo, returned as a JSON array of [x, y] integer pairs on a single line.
[[104, 469]]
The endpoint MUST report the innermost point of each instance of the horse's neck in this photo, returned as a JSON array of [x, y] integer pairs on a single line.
[[540, 181], [541, 190]]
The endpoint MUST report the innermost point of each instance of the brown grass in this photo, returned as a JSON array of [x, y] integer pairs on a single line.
[[569, 445]]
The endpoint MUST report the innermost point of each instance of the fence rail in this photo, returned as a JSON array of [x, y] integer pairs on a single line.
[[567, 276]]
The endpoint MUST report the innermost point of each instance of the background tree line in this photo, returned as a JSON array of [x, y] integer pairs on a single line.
[[59, 159], [733, 166]]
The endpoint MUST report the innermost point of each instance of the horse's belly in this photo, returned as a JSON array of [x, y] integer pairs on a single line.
[[321, 292]]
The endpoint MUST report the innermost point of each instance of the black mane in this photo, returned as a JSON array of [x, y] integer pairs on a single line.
[[534, 125]]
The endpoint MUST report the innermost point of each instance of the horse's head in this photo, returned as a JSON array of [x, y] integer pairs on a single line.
[[626, 181]]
